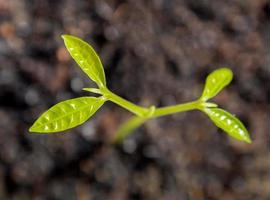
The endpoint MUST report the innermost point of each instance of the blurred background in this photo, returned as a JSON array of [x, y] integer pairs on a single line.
[[154, 52]]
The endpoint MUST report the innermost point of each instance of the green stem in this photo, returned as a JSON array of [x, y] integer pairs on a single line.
[[149, 112], [168, 110], [137, 110], [143, 114], [133, 123]]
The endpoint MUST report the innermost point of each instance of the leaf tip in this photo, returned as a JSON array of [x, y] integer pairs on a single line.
[[32, 129], [225, 69], [247, 139], [228, 71], [66, 38]]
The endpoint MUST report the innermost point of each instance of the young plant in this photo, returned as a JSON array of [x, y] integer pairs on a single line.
[[71, 113]]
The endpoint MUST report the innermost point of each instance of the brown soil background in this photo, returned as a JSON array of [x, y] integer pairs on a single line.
[[154, 52]]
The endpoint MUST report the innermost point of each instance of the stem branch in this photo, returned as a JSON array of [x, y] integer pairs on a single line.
[[151, 112], [137, 110]]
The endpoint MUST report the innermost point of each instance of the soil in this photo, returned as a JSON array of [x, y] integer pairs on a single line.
[[154, 52]]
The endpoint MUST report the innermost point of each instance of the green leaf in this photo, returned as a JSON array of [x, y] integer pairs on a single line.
[[86, 58], [215, 82], [67, 114], [229, 123]]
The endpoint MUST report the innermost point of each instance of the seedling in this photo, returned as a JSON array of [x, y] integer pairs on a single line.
[[71, 113]]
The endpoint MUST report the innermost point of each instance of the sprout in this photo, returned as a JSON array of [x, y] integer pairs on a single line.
[[71, 113]]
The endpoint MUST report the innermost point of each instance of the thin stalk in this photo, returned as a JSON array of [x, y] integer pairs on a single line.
[[137, 110], [133, 123], [168, 110], [149, 112]]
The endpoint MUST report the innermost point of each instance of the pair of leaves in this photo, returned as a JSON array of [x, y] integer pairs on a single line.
[[215, 82], [73, 112]]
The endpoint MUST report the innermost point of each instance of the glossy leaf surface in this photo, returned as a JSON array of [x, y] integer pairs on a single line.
[[86, 58], [229, 123], [67, 114], [215, 82]]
